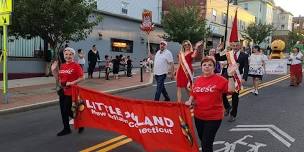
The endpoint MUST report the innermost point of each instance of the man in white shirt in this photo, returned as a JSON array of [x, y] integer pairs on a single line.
[[163, 60]]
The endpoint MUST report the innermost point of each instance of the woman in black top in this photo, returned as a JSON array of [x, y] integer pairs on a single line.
[[93, 56], [116, 63]]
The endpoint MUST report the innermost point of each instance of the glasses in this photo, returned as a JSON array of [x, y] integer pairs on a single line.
[[162, 44]]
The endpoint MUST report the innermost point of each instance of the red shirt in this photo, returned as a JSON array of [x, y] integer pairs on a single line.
[[207, 93], [69, 72]]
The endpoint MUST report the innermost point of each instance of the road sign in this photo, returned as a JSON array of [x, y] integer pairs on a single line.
[[6, 6], [5, 19]]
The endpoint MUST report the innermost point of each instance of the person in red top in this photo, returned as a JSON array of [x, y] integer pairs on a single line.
[[184, 74], [206, 97], [70, 73]]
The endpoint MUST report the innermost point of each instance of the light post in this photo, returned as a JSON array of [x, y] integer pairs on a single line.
[[227, 17]]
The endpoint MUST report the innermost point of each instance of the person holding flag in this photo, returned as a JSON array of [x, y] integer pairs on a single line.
[[241, 59], [184, 74]]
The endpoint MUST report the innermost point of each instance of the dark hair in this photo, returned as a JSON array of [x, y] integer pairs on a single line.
[[298, 49], [207, 59], [94, 45], [106, 56], [79, 50], [257, 47]]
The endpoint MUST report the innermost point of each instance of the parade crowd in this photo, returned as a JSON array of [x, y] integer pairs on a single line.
[[223, 72]]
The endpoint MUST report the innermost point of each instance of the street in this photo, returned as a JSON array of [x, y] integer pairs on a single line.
[[269, 122]]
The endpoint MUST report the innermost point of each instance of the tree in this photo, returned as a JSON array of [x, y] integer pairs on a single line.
[[184, 23], [294, 37], [257, 32], [55, 21]]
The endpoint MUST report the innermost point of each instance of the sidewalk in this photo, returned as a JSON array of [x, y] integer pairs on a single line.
[[31, 93]]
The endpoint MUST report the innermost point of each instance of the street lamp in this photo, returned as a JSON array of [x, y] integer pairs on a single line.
[[227, 14]]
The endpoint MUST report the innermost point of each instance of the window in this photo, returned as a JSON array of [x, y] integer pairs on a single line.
[[246, 6], [224, 20], [124, 7], [282, 17], [282, 26], [213, 15], [120, 45]]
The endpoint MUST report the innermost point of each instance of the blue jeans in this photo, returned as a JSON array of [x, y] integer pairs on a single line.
[[160, 88]]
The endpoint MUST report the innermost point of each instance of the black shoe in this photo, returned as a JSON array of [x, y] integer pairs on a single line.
[[80, 130], [231, 119], [227, 111], [167, 99], [64, 132]]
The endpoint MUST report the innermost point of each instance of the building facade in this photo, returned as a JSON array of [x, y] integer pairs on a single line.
[[282, 22]]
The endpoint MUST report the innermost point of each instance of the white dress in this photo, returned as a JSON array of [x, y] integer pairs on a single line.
[[256, 62]]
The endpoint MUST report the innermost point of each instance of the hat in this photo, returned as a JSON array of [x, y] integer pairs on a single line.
[[70, 49], [164, 42]]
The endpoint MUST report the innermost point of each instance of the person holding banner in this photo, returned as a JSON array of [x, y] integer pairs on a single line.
[[163, 60], [296, 59], [70, 73], [256, 67], [184, 74], [206, 97]]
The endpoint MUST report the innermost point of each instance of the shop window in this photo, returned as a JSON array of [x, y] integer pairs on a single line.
[[120, 45]]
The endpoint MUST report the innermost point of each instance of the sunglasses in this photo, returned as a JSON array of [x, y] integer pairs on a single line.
[[162, 44]]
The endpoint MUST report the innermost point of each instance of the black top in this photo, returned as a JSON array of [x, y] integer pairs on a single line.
[[93, 57], [129, 63]]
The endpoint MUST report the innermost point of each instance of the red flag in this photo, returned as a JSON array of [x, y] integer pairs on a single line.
[[158, 126], [234, 31]]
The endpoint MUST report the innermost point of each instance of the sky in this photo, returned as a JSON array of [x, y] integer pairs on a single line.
[[293, 6]]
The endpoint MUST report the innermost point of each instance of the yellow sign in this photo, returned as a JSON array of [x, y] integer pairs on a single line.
[[6, 6], [5, 19]]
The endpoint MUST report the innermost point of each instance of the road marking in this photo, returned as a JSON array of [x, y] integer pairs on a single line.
[[106, 143], [113, 146], [286, 143], [270, 126], [246, 91]]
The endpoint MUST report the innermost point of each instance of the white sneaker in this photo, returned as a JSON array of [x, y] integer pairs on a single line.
[[252, 91], [256, 92], [71, 122]]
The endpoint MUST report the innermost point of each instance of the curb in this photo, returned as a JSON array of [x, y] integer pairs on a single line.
[[54, 102]]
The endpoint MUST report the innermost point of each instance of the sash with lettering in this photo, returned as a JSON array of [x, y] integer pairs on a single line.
[[237, 76], [185, 67], [158, 126]]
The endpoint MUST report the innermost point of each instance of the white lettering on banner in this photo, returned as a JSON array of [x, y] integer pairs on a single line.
[[149, 124], [276, 66], [209, 88]]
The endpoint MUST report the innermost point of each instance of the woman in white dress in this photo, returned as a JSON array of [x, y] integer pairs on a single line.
[[256, 67]]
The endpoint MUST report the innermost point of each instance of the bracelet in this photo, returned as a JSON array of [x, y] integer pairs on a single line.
[[230, 76]]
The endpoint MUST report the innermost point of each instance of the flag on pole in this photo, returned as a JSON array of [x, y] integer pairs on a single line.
[[234, 31]]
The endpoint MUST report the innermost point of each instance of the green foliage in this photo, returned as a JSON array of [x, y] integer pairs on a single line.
[[258, 32], [55, 21], [184, 23], [293, 38]]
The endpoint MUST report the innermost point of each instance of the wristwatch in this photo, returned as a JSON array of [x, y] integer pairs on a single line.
[[230, 76]]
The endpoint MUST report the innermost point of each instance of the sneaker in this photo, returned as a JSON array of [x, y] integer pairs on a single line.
[[231, 119], [71, 122], [64, 132], [227, 111], [252, 91], [256, 92], [80, 130]]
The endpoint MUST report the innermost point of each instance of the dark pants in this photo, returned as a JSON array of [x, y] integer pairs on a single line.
[[235, 103], [129, 71], [160, 88], [206, 130], [65, 109], [91, 68]]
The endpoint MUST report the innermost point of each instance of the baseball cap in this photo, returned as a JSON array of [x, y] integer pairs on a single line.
[[164, 42]]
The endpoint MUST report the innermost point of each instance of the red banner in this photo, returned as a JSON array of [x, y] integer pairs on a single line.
[[158, 126]]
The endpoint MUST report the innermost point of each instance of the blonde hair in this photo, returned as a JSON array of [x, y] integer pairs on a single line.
[[183, 43]]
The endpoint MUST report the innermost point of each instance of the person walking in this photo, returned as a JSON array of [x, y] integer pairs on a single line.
[[296, 58], [129, 66], [206, 99], [241, 59], [256, 67], [184, 73], [93, 57], [116, 64], [163, 60], [70, 73]]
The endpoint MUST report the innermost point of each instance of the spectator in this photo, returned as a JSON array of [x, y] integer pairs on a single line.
[[129, 67], [81, 59], [93, 57]]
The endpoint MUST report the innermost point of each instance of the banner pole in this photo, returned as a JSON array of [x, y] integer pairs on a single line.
[[4, 53]]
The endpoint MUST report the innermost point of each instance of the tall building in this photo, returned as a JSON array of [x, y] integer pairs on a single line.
[[282, 22], [298, 23]]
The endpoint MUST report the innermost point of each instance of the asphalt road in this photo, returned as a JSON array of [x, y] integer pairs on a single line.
[[270, 122]]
